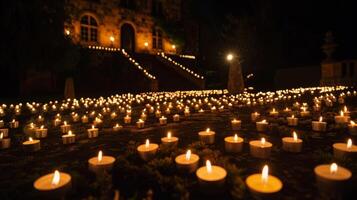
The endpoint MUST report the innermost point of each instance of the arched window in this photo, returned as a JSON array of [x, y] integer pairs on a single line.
[[156, 38], [89, 29]]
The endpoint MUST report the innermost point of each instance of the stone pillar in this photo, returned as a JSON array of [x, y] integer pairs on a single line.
[[69, 88], [235, 76]]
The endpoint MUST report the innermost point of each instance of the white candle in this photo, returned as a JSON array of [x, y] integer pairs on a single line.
[[169, 140], [31, 145], [5, 132], [304, 112], [207, 136], [148, 150], [84, 119], [260, 148], [101, 163], [292, 121], [127, 119], [65, 127], [14, 124], [342, 119], [117, 127], [176, 118], [69, 138], [41, 132], [163, 120], [292, 144], [274, 113], [263, 185], [54, 184], [140, 123], [236, 124], [211, 177], [262, 125], [92, 132], [4, 142], [233, 144], [319, 125], [187, 162], [352, 128], [254, 116], [343, 150]]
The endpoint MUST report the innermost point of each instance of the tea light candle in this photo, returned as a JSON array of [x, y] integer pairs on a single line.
[[207, 136], [69, 138], [331, 179], [233, 144], [263, 184], [260, 148], [187, 162], [341, 119], [143, 116], [92, 132], [304, 112], [319, 125], [187, 112], [127, 119], [4, 142], [65, 127], [236, 124], [287, 110], [14, 124], [40, 119], [292, 144], [140, 123], [158, 113], [292, 121], [163, 120], [346, 111], [274, 113], [211, 177], [56, 122], [113, 115], [1, 123], [342, 150], [317, 107], [352, 128], [262, 125], [254, 116], [5, 132], [117, 127], [176, 118], [31, 145], [148, 150], [56, 183], [41, 132], [101, 163], [84, 119], [169, 140]]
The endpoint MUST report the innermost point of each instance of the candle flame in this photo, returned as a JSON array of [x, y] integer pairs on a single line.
[[188, 154], [147, 143], [295, 136], [264, 121], [333, 168], [169, 135], [100, 156], [30, 139], [303, 109], [56, 178], [92, 126], [65, 123], [341, 113], [262, 141], [352, 123], [345, 109], [320, 119], [208, 130], [349, 143], [42, 126], [265, 174], [292, 116], [235, 137], [69, 132], [1, 135], [208, 166]]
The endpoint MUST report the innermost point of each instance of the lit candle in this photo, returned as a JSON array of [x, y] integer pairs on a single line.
[[163, 120], [233, 144], [140, 123], [4, 142], [304, 112], [143, 116], [262, 125], [158, 113], [207, 136], [186, 112], [236, 124], [319, 125], [287, 110], [274, 113], [346, 111], [341, 119], [5, 132], [352, 128], [332, 179], [263, 185], [254, 116], [127, 119], [40, 119], [1, 123], [117, 127], [211, 177], [101, 163], [69, 138], [260, 148], [93, 132], [292, 144], [56, 122], [343, 150], [65, 127], [169, 140], [14, 124], [41, 132], [31, 145], [187, 162], [292, 121], [84, 119], [54, 184], [148, 150], [176, 118]]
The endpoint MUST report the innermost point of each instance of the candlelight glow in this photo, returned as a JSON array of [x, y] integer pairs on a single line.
[[169, 135], [292, 116], [147, 143], [56, 178], [92, 126], [229, 57], [208, 130], [352, 123], [69, 132], [1, 135], [349, 143], [262, 141], [235, 137], [333, 168], [111, 38], [264, 121], [188, 154], [345, 109], [30, 139], [265, 174], [320, 119], [208, 166], [100, 156], [65, 123], [341, 113], [295, 136], [42, 126]]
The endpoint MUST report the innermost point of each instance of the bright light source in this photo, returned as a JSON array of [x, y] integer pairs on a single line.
[[67, 32], [146, 44], [173, 46], [111, 38], [229, 57]]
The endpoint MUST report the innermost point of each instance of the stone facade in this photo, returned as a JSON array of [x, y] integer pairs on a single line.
[[124, 24], [339, 73]]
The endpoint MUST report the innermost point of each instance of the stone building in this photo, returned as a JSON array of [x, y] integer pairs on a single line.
[[133, 25], [337, 70]]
